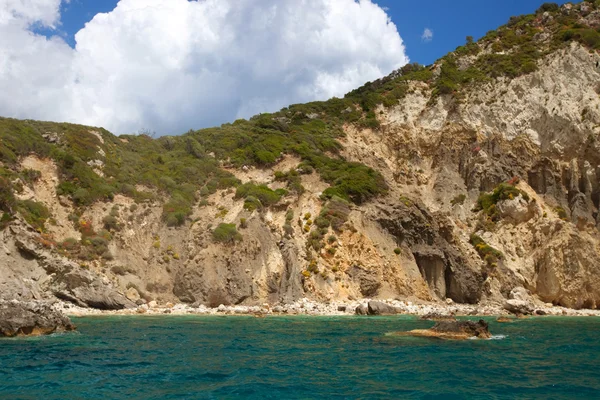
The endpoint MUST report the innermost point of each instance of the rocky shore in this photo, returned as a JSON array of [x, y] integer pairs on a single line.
[[308, 307], [31, 318]]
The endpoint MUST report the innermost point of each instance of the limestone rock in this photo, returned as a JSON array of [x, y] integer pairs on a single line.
[[362, 310], [31, 319], [380, 308], [518, 306], [454, 330], [435, 316]]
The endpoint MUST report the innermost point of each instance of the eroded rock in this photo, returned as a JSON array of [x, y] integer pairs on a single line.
[[454, 330], [31, 319], [380, 308]]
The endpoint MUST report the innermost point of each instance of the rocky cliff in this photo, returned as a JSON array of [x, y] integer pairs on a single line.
[[461, 180]]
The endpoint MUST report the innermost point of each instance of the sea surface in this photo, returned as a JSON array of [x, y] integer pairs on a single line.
[[188, 357]]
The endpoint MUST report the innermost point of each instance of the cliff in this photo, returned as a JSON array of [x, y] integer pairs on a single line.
[[461, 180]]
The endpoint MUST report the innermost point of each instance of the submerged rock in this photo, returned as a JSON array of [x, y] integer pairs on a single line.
[[505, 319], [31, 319], [456, 330]]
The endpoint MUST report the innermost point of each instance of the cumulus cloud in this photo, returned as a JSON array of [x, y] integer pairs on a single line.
[[427, 35], [172, 65]]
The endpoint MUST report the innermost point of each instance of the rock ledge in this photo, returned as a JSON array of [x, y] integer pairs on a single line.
[[31, 318]]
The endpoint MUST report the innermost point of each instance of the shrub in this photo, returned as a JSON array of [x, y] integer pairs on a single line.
[[550, 7], [81, 196], [243, 223], [562, 214], [111, 223], [7, 197], [30, 175], [34, 213], [487, 201], [121, 270], [226, 233], [261, 195], [335, 212], [397, 251], [489, 254], [458, 199]]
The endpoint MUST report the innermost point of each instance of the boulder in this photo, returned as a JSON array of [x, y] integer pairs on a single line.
[[454, 330], [32, 318], [361, 310], [520, 293], [380, 308], [518, 307]]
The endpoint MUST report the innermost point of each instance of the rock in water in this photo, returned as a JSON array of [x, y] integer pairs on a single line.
[[435, 316], [31, 319], [379, 308], [456, 330]]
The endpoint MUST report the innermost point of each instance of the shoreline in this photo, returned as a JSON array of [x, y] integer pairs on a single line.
[[305, 307]]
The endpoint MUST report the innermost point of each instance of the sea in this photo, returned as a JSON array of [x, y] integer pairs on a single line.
[[301, 357]]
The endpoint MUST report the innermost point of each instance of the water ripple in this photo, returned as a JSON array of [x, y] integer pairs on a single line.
[[301, 357]]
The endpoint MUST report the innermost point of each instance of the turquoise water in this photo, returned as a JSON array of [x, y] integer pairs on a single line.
[[301, 357]]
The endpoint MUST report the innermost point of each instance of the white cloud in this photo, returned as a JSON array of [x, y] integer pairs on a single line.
[[427, 35], [172, 65]]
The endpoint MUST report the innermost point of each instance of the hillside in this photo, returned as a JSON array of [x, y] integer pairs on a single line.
[[462, 180]]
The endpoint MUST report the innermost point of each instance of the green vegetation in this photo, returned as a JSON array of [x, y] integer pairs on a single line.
[[226, 233], [292, 177], [258, 196], [34, 213], [562, 214], [489, 254], [504, 191], [334, 213], [458, 199]]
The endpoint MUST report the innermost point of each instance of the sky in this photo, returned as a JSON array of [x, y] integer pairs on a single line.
[[172, 65]]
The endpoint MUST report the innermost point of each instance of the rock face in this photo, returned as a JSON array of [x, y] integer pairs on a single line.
[[31, 319], [436, 152], [456, 330]]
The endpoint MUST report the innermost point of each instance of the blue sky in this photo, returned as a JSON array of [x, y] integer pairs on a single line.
[[450, 21], [173, 65]]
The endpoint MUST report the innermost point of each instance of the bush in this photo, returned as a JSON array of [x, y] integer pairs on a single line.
[[111, 223], [7, 197], [335, 212], [226, 233], [549, 7], [489, 254], [458, 199], [259, 195], [81, 196], [34, 213], [487, 201], [397, 251]]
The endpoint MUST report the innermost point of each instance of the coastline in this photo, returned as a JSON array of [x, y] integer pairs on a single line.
[[311, 308]]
